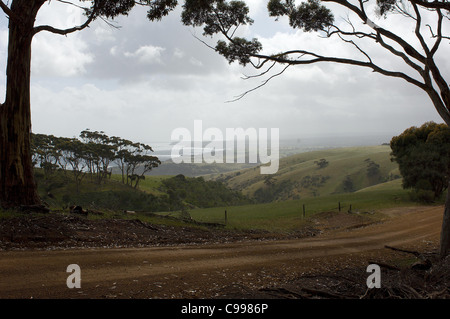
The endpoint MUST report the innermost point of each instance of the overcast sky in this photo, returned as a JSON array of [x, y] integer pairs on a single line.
[[145, 79]]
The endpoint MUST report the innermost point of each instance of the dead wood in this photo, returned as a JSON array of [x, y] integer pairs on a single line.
[[415, 253]]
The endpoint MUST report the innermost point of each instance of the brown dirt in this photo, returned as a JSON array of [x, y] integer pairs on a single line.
[[131, 259]]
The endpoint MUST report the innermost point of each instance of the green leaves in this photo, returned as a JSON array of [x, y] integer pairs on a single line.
[[160, 8], [239, 50], [309, 15], [223, 17], [278, 8], [384, 6], [423, 155], [216, 16], [110, 8]]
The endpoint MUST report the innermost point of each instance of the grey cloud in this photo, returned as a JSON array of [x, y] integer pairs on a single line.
[[146, 99], [181, 53]]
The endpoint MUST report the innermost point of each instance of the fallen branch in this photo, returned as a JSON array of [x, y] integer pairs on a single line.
[[415, 253]]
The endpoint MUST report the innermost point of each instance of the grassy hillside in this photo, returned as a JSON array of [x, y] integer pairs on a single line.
[[155, 193], [59, 191], [288, 215], [299, 176], [151, 184]]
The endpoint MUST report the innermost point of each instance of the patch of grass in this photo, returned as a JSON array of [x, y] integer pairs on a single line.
[[151, 184], [288, 215]]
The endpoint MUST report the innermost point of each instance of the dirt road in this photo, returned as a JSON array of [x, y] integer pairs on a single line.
[[208, 271]]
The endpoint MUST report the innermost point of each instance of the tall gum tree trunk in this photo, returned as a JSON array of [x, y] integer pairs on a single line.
[[17, 184], [445, 230]]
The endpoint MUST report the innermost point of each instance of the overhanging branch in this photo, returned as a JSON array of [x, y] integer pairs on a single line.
[[433, 4], [319, 58], [9, 12], [51, 29], [409, 49], [439, 35], [261, 85]]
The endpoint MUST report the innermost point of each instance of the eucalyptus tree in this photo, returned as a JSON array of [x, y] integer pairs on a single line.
[[74, 156], [138, 161], [45, 152], [17, 185], [100, 153], [122, 152]]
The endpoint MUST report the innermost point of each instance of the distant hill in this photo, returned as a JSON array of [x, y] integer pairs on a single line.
[[316, 173], [193, 170]]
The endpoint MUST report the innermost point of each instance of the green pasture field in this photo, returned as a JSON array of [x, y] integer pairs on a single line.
[[286, 216]]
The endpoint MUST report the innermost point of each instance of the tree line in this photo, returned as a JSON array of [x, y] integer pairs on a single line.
[[93, 154]]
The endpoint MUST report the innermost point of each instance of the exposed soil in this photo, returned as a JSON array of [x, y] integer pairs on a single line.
[[132, 259], [63, 231]]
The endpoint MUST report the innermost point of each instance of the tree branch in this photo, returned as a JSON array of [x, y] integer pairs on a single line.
[[261, 85], [355, 33], [401, 55], [48, 28], [318, 58], [9, 12], [409, 49], [246, 77], [403, 11], [439, 33], [356, 46], [433, 4], [377, 38], [72, 4], [417, 29], [380, 35]]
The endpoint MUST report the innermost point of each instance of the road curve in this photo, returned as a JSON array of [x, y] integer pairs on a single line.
[[203, 271]]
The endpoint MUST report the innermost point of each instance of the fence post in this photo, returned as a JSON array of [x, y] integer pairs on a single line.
[[304, 211], [226, 217], [339, 206], [350, 209]]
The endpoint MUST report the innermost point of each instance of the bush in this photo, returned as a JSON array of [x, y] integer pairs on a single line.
[[422, 195], [423, 154]]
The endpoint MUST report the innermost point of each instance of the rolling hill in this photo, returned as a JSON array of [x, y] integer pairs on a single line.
[[316, 173]]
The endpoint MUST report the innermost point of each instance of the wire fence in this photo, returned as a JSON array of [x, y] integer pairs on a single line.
[[304, 212], [341, 207]]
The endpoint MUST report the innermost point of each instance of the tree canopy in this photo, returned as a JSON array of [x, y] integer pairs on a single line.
[[423, 156], [418, 57], [93, 154]]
